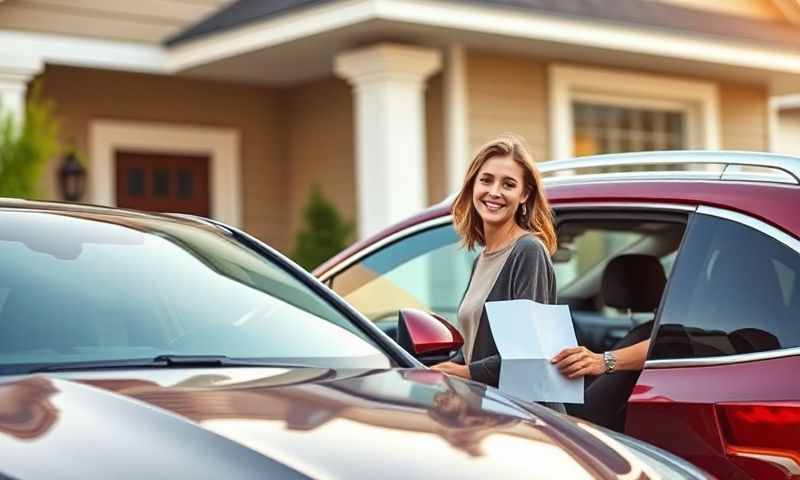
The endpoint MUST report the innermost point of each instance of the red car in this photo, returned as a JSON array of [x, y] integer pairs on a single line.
[[697, 251]]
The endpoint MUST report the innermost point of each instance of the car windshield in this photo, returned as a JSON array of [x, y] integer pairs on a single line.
[[89, 287]]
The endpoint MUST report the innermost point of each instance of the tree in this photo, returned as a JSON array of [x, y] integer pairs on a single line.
[[324, 232], [25, 148]]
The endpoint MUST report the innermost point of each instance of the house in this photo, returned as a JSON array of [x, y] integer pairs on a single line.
[[236, 109]]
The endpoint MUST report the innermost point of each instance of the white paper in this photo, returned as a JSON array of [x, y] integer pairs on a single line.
[[528, 334]]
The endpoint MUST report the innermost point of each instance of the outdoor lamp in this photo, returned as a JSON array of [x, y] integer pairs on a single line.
[[71, 178]]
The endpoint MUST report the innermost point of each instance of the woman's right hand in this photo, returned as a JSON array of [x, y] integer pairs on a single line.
[[576, 362]]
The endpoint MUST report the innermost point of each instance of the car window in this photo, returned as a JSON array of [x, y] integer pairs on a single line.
[[734, 290], [428, 270], [79, 289], [586, 245]]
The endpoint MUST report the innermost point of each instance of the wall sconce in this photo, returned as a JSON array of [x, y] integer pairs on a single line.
[[71, 178]]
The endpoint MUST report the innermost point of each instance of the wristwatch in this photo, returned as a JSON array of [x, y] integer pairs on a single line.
[[611, 361]]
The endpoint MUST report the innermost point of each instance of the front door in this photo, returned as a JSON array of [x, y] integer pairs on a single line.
[[162, 182]]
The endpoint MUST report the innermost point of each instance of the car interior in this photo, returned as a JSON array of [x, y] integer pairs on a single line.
[[611, 271]]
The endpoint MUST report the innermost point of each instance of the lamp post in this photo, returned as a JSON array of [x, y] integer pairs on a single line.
[[71, 178]]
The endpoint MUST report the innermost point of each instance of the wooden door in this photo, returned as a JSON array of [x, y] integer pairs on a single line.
[[163, 182]]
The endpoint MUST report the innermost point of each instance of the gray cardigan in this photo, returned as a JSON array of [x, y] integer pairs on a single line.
[[527, 273]]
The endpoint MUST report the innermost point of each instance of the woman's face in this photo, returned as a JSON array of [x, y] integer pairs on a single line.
[[498, 190]]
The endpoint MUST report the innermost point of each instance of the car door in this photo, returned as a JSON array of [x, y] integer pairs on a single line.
[[721, 386]]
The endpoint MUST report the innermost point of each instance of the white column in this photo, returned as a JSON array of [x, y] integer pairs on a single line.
[[773, 125], [389, 85], [15, 73], [456, 117]]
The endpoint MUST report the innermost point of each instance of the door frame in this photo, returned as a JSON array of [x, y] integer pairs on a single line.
[[221, 145]]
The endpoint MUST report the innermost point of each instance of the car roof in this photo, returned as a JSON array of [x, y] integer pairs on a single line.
[[774, 203], [94, 210]]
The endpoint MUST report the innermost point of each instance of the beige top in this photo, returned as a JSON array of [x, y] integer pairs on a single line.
[[487, 268]]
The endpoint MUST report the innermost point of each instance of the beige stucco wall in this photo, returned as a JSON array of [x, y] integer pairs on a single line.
[[789, 131], [521, 105], [82, 95], [319, 147], [518, 106], [743, 116]]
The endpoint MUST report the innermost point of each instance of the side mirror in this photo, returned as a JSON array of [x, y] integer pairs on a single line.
[[428, 337]]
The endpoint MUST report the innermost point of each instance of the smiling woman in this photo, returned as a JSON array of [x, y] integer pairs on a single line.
[[502, 208]]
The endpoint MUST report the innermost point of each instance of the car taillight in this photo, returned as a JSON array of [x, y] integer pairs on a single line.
[[763, 438]]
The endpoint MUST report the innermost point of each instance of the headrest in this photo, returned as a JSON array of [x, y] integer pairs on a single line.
[[634, 282]]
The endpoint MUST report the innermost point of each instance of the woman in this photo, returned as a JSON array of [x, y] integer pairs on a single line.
[[501, 207]]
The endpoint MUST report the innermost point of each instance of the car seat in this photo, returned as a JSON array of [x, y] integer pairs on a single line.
[[633, 283]]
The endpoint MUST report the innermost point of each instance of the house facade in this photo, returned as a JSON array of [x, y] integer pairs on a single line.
[[237, 109]]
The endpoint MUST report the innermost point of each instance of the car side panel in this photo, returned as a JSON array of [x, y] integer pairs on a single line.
[[676, 408]]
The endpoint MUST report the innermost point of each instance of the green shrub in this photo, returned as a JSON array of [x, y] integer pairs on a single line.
[[25, 149], [324, 232]]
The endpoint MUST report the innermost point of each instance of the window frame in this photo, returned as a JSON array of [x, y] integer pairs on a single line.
[[746, 221], [689, 135], [569, 83], [660, 212]]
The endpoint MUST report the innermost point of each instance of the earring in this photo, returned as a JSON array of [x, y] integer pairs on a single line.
[[524, 210]]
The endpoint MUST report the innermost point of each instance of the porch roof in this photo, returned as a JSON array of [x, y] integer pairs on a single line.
[[640, 13]]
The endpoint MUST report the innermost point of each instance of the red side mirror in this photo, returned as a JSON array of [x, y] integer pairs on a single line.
[[425, 334]]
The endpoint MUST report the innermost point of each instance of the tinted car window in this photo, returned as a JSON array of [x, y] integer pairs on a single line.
[[109, 288], [428, 270], [733, 290]]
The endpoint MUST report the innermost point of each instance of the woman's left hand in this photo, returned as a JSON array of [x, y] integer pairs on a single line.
[[452, 368], [577, 362]]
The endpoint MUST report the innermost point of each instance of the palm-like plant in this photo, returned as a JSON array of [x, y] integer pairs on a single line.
[[26, 147]]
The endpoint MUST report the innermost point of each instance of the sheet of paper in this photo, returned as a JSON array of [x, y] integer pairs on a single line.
[[528, 334]]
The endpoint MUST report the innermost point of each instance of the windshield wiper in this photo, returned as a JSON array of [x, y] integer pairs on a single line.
[[196, 360], [164, 361]]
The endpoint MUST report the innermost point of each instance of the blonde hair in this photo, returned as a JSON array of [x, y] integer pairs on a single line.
[[539, 217]]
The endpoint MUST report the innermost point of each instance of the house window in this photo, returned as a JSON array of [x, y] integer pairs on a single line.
[[607, 128], [596, 111]]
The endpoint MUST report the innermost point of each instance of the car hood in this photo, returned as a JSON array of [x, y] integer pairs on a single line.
[[290, 422]]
